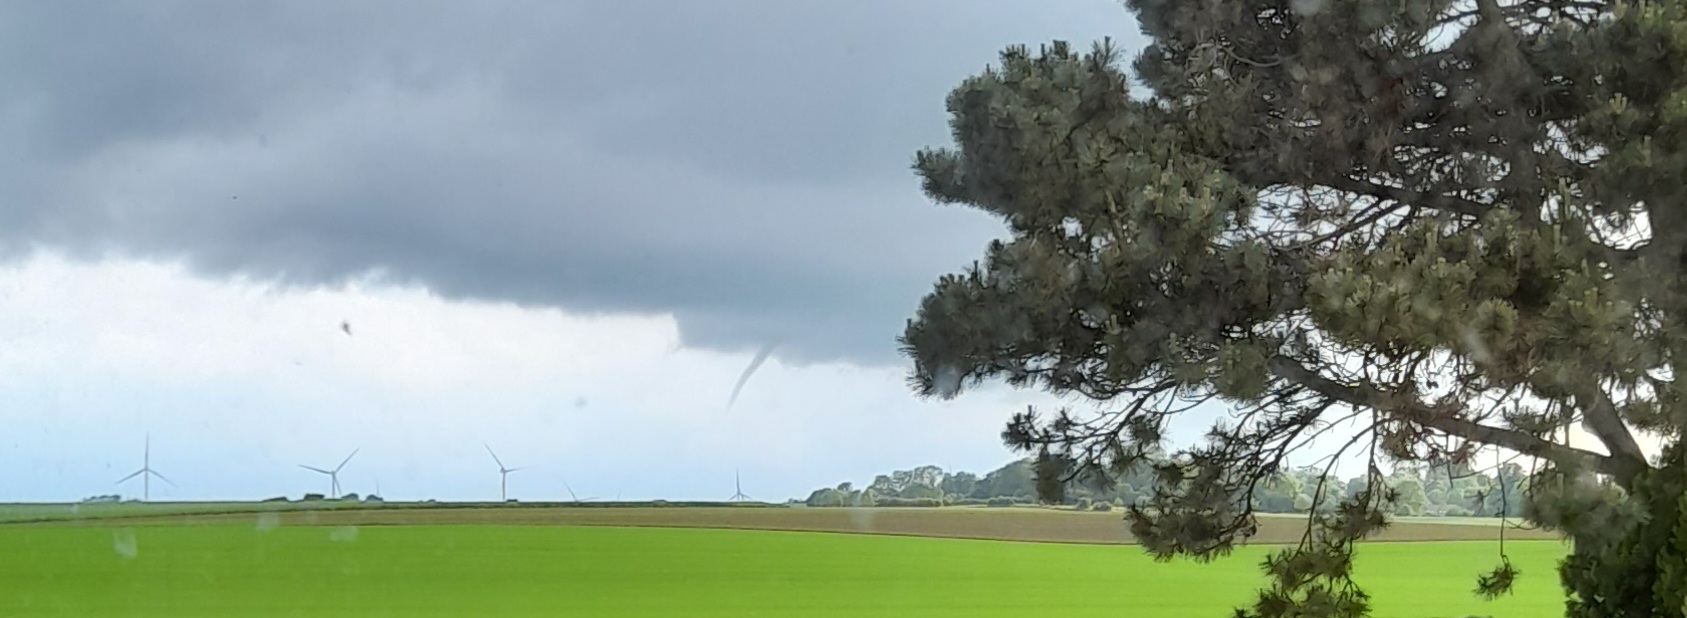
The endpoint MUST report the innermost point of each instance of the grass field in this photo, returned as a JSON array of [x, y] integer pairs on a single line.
[[270, 568]]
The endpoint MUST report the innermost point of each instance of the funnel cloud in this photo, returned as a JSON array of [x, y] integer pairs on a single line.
[[755, 363]]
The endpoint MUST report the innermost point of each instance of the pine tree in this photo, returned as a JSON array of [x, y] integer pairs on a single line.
[[1458, 224]]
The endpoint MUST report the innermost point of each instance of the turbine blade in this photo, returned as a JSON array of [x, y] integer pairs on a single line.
[[348, 458], [320, 470], [161, 477], [495, 459], [137, 473], [571, 492], [755, 363], [509, 470]]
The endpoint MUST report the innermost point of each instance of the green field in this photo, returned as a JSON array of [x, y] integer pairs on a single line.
[[269, 569]]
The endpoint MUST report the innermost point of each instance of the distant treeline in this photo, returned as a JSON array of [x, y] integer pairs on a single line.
[[1421, 490]]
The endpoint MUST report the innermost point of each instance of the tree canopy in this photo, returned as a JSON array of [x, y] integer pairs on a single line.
[[1458, 225]]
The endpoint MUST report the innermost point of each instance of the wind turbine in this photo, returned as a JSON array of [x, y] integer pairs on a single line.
[[146, 472], [334, 475], [738, 495], [503, 475], [577, 499]]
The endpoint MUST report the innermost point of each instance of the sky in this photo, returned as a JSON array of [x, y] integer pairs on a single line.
[[558, 228]]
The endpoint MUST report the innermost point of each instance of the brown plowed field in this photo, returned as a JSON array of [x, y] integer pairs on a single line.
[[1011, 524]]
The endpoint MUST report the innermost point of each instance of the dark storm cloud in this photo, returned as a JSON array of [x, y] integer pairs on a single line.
[[743, 165]]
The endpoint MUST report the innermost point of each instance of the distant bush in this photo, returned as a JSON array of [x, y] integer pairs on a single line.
[[1000, 502], [1457, 511], [827, 497], [1102, 507], [968, 502], [312, 497], [1083, 503], [276, 499], [351, 497]]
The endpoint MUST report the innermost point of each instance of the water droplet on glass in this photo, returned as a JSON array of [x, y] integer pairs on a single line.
[[946, 381], [123, 541], [343, 534], [862, 518]]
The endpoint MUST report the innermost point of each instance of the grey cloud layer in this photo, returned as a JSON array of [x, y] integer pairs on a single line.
[[743, 165]]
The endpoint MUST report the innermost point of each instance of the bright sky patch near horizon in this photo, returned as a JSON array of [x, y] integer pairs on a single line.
[[238, 383]]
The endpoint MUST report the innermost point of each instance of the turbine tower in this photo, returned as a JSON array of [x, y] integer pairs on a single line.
[[334, 475], [146, 472], [738, 485], [503, 475]]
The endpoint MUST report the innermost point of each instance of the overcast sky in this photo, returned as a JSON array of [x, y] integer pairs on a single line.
[[562, 228]]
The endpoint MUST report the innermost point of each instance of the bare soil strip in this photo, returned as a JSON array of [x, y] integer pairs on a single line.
[[1031, 525]]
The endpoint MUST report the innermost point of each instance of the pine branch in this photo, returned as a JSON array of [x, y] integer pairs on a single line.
[[1599, 414], [1445, 419]]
